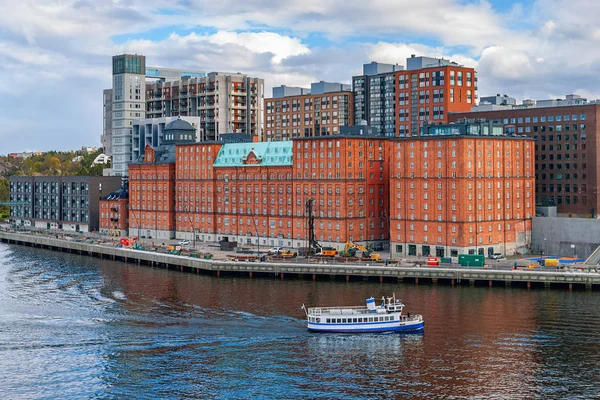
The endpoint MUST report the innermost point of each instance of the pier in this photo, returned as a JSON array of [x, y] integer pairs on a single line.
[[566, 279]]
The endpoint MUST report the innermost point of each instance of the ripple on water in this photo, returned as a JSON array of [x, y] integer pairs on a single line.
[[75, 327]]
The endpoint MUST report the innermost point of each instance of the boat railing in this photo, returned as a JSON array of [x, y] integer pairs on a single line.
[[342, 310]]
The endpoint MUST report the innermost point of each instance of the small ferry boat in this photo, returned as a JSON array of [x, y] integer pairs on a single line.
[[385, 317]]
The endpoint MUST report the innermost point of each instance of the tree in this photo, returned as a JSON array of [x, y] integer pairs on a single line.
[[4, 196], [55, 163]]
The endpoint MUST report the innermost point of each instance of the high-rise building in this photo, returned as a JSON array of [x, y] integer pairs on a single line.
[[128, 104], [225, 103], [397, 101], [297, 112], [461, 189], [566, 135], [106, 139]]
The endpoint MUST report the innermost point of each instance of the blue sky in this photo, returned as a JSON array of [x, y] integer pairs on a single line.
[[56, 55]]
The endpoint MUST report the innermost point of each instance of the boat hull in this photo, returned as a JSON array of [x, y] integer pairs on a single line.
[[364, 328]]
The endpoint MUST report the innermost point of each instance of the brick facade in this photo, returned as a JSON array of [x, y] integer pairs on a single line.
[[459, 194], [430, 94], [114, 217], [307, 115], [431, 195], [152, 197], [566, 148]]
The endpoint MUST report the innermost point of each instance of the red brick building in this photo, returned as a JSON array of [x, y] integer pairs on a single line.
[[456, 194], [114, 213], [397, 101], [442, 194], [261, 189], [152, 194], [347, 176], [321, 112]]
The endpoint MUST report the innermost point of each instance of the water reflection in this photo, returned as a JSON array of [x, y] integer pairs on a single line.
[[75, 327]]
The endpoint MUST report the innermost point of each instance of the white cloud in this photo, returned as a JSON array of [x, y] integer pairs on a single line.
[[56, 54], [262, 42]]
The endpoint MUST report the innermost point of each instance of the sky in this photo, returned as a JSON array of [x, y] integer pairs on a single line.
[[55, 55]]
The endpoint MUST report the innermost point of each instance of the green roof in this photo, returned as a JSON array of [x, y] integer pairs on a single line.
[[270, 154]]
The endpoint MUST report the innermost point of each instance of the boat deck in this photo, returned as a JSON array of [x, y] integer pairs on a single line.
[[318, 311]]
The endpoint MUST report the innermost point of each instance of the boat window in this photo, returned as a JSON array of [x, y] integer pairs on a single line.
[[339, 321], [353, 319], [328, 320], [343, 320], [371, 319]]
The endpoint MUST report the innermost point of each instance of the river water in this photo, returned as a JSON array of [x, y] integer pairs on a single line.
[[74, 327]]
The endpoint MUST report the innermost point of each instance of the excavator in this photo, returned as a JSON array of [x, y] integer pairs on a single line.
[[351, 248]]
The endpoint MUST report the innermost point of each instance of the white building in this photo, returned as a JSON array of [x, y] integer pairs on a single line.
[[128, 104]]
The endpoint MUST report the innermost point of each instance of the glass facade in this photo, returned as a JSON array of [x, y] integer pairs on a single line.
[[127, 64]]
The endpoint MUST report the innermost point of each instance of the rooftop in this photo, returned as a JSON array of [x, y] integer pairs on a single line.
[[269, 154]]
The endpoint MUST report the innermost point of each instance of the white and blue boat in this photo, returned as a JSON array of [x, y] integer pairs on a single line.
[[385, 317]]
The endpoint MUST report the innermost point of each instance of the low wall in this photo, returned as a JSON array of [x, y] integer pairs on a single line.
[[565, 237]]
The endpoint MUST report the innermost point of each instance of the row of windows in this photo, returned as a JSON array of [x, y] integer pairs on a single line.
[[355, 320], [544, 118]]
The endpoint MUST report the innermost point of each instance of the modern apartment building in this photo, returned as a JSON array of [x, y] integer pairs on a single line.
[[397, 101], [224, 102], [128, 104], [465, 189], [68, 203], [297, 112], [566, 136]]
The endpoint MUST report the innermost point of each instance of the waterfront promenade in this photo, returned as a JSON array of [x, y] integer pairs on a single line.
[[566, 279]]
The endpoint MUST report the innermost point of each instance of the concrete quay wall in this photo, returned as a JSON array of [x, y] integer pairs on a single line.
[[314, 271]]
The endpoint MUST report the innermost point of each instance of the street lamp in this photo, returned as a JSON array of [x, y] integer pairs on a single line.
[[544, 246]]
